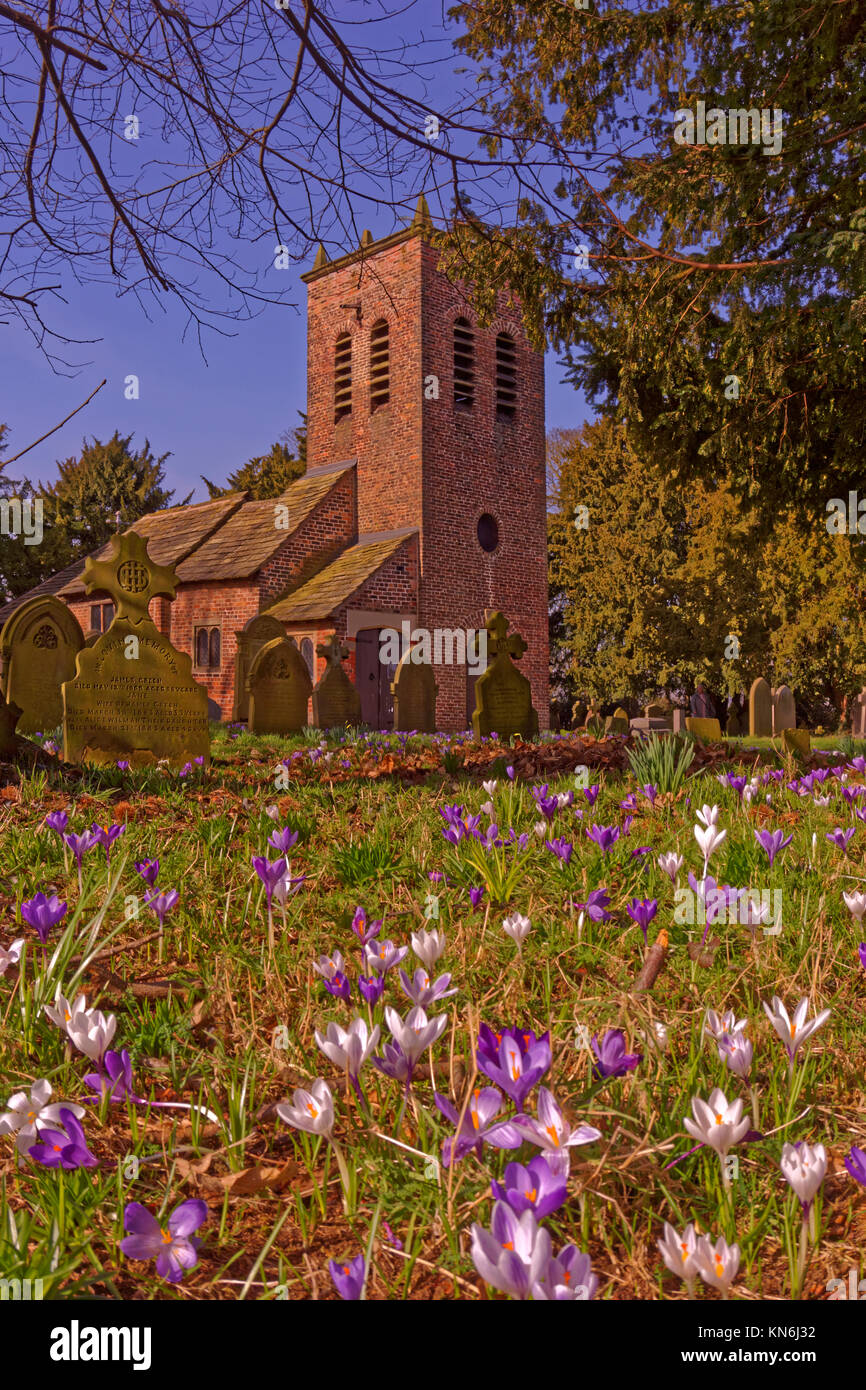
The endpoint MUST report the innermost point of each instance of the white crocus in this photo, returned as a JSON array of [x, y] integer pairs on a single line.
[[708, 815], [670, 864], [517, 927], [329, 966], [311, 1110], [722, 1025], [855, 903], [718, 1264], [794, 1032], [540, 828], [717, 1123], [487, 809], [91, 1032], [709, 840], [27, 1112], [804, 1166], [10, 955], [417, 1033], [490, 787], [428, 946], [62, 1012], [348, 1048], [736, 1050], [679, 1252]]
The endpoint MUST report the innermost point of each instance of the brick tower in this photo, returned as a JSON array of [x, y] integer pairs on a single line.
[[445, 421]]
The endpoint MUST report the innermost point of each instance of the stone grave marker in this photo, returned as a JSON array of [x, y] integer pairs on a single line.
[[335, 699], [92, 635], [250, 640], [617, 723], [578, 714], [797, 741], [858, 717], [736, 725], [10, 713], [38, 647], [707, 730], [414, 689], [760, 709], [503, 695], [679, 717], [278, 689], [784, 710], [133, 695]]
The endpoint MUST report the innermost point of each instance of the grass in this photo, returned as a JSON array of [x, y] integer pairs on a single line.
[[226, 1029]]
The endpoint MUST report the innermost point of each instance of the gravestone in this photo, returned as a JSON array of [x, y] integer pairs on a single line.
[[784, 710], [335, 699], [679, 717], [10, 713], [707, 730], [578, 714], [92, 635], [503, 695], [278, 689], [250, 640], [760, 709], [797, 741], [736, 725], [858, 716], [414, 690], [133, 695], [38, 647], [617, 723]]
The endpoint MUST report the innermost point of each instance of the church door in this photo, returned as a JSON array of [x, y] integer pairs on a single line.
[[373, 679]]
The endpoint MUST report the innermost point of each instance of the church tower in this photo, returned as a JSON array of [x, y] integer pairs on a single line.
[[444, 420]]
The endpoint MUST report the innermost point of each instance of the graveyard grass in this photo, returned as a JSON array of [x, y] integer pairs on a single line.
[[220, 1024]]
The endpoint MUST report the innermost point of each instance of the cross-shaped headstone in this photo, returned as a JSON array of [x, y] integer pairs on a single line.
[[497, 625], [130, 577], [334, 651]]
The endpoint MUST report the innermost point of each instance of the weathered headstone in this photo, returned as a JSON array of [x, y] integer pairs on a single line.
[[679, 717], [250, 640], [278, 689], [707, 730], [414, 689], [784, 710], [578, 714], [10, 713], [133, 695], [736, 725], [38, 647], [797, 741], [92, 635], [858, 716], [503, 695], [335, 699], [760, 709], [617, 723]]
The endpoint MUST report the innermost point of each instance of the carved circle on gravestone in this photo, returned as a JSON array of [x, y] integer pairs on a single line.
[[279, 688], [39, 644], [760, 709], [249, 642]]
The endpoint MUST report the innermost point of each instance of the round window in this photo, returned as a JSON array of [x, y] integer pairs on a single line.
[[488, 532]]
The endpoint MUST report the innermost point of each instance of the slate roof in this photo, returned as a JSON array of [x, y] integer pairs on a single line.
[[327, 591]]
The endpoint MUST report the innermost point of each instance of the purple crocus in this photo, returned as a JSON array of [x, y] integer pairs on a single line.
[[861, 951], [478, 1126], [547, 805], [772, 842], [561, 847], [642, 911], [650, 792], [174, 1246], [283, 840], [605, 836], [58, 1150], [382, 956], [43, 913], [162, 903], [270, 871], [339, 985], [629, 803], [371, 987], [114, 1079], [106, 836], [591, 794], [421, 991], [514, 1059], [856, 1165], [475, 896], [841, 838], [148, 869], [534, 1188], [596, 905], [80, 844], [57, 820], [362, 930], [348, 1279], [611, 1056]]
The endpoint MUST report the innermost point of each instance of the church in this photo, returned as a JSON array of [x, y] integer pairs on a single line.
[[424, 499]]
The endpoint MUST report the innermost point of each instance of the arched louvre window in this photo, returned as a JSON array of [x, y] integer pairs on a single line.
[[207, 644], [201, 647], [506, 377], [343, 377], [307, 654], [464, 365], [380, 366], [213, 657]]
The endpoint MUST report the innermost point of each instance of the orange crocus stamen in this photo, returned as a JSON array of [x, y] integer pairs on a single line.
[[166, 1237], [507, 1245], [532, 1194], [793, 1032], [311, 1109], [552, 1131]]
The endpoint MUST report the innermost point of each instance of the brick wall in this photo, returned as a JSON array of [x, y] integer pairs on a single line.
[[331, 527], [226, 604]]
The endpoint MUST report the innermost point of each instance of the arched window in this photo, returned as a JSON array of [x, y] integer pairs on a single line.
[[380, 366], [506, 377], [343, 377], [201, 647], [464, 365], [307, 654], [207, 644], [213, 655]]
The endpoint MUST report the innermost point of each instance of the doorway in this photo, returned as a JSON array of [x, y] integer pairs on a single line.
[[373, 679]]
